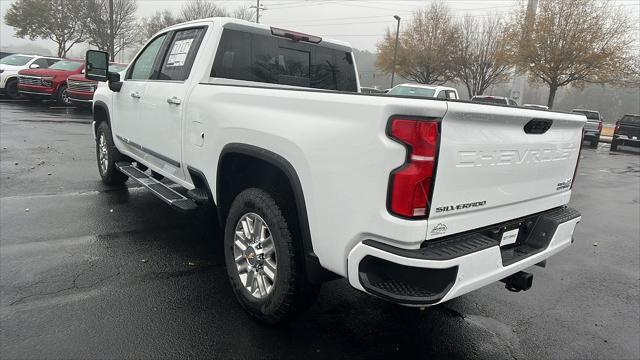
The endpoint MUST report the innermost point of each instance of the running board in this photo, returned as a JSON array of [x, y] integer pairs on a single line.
[[165, 193]]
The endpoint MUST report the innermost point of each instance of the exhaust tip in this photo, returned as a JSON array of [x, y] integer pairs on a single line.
[[520, 281]]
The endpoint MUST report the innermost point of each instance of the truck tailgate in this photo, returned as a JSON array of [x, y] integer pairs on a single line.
[[497, 163]]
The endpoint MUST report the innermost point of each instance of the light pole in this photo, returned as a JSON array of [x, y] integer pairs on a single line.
[[395, 49]]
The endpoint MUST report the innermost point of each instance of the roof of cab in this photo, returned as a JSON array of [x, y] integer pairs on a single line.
[[222, 21]]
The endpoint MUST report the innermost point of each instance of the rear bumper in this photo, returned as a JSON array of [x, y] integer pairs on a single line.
[[591, 135], [627, 140], [447, 268]]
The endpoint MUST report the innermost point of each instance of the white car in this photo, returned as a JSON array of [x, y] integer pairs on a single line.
[[424, 91], [11, 64], [415, 201]]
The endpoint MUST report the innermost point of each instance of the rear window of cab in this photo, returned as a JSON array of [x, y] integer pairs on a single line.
[[270, 59]]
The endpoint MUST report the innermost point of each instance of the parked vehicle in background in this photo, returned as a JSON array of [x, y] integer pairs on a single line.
[[425, 91], [626, 132], [536, 106], [371, 90], [5, 53], [414, 201], [490, 99], [11, 64], [49, 83], [80, 89], [593, 127]]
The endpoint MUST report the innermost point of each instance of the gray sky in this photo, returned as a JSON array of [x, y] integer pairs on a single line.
[[361, 23]]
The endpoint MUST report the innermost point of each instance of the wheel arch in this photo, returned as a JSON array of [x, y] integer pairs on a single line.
[[100, 114], [280, 168]]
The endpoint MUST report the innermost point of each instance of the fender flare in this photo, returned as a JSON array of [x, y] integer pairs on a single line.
[[315, 272], [103, 105]]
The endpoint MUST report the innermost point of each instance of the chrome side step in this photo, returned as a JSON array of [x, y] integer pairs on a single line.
[[165, 193]]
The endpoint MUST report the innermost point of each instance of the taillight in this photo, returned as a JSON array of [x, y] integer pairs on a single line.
[[575, 171], [600, 126], [411, 184], [615, 130]]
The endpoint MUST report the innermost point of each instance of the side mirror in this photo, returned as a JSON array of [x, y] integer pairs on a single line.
[[34, 66], [96, 65]]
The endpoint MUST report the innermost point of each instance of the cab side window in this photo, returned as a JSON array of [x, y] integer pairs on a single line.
[[442, 94], [51, 61], [143, 67], [451, 94], [42, 63], [181, 53]]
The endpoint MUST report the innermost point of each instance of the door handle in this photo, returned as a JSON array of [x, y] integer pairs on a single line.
[[135, 95], [174, 100]]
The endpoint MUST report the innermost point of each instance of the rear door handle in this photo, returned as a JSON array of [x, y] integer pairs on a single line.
[[135, 95], [174, 100]]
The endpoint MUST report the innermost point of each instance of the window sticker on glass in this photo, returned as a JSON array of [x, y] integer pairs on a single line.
[[179, 51]]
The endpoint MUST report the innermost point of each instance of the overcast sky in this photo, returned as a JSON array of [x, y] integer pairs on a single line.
[[361, 23]]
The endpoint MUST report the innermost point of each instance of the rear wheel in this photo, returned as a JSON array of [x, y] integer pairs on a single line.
[[593, 144], [262, 258], [11, 89], [107, 156], [614, 145]]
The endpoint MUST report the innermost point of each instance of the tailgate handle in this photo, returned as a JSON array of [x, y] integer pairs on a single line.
[[538, 126]]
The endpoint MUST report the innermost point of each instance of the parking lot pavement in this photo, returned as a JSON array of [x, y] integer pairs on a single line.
[[91, 272]]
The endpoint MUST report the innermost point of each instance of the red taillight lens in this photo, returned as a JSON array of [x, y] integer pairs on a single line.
[[410, 185], [600, 126], [615, 130]]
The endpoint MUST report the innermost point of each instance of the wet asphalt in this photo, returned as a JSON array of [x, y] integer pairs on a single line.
[[92, 272]]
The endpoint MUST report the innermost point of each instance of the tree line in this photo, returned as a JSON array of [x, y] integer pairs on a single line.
[[562, 42], [109, 25]]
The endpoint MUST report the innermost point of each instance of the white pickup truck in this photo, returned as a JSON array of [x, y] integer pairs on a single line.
[[416, 201]]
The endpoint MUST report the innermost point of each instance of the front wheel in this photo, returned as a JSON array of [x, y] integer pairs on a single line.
[[63, 97], [262, 258], [107, 156], [11, 89]]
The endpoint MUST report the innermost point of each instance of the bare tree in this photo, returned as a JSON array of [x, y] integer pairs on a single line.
[[125, 28], [424, 50], [479, 54], [244, 12], [61, 21], [572, 41], [200, 9], [148, 26]]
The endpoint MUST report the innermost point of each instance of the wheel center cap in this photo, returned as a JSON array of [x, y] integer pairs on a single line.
[[251, 256]]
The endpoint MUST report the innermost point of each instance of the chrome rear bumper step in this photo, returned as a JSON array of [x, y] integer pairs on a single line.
[[164, 192]]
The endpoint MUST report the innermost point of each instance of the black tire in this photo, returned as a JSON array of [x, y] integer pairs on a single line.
[[11, 89], [107, 164], [62, 98], [593, 144], [290, 292], [614, 145]]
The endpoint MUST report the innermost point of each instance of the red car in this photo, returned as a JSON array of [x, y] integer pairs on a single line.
[[50, 83], [80, 89]]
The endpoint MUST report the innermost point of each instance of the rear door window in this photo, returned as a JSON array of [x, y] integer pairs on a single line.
[[270, 59], [181, 54]]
